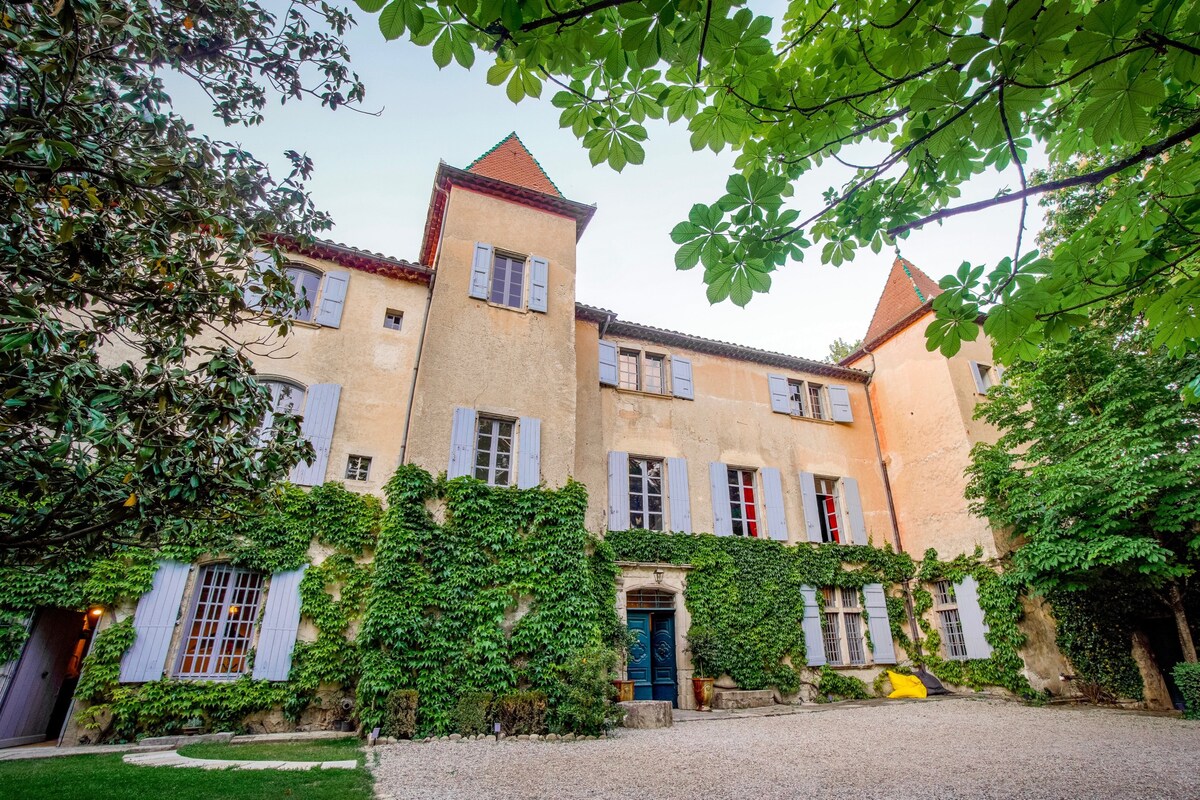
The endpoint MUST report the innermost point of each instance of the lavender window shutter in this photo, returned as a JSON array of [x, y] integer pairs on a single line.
[[839, 404], [481, 268], [780, 401], [154, 623], [808, 496], [320, 414], [718, 483], [772, 487], [529, 453], [618, 491], [681, 378], [875, 604], [277, 632], [333, 298], [854, 512], [462, 443], [970, 613], [814, 642], [608, 363], [539, 283], [978, 376], [678, 495]]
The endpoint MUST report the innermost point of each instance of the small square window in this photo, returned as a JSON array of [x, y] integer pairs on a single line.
[[358, 468], [393, 319]]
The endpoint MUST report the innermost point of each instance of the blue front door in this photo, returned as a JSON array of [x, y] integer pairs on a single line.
[[651, 664]]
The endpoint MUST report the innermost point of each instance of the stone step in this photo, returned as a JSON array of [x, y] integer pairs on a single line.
[[743, 698]]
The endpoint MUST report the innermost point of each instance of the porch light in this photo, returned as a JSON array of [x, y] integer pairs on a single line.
[[97, 611], [658, 575]]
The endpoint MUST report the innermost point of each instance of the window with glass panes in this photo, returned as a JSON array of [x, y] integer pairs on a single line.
[[945, 605], [494, 450], [629, 369], [743, 511], [508, 281], [829, 514], [220, 628], [654, 373], [646, 493], [816, 408], [796, 393], [842, 628], [305, 283], [286, 398], [358, 468]]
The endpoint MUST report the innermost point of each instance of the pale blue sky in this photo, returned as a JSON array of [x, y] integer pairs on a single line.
[[374, 175]]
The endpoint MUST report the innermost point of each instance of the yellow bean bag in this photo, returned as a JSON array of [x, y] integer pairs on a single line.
[[906, 685]]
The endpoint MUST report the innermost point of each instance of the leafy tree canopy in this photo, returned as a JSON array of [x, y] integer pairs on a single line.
[[839, 348], [915, 98], [127, 403]]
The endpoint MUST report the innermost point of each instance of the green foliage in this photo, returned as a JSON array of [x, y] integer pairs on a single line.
[[166, 706], [1094, 632], [586, 705], [834, 685], [839, 348], [123, 232], [521, 713], [496, 599], [102, 664], [473, 714], [1187, 678], [399, 718]]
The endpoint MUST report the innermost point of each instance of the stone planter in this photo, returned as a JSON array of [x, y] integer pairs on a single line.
[[624, 691], [703, 689]]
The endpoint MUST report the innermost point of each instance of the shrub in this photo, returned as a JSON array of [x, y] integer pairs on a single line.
[[473, 713], [586, 701], [834, 685], [521, 713], [400, 720], [1187, 678]]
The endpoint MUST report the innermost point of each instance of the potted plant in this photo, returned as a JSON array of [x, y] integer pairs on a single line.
[[702, 645], [624, 685]]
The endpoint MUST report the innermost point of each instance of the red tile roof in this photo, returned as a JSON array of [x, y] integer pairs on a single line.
[[510, 161], [907, 290]]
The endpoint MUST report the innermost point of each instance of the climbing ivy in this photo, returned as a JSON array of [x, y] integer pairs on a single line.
[[835, 685], [1094, 632]]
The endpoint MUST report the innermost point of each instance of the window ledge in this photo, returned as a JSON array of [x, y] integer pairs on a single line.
[[502, 307], [659, 395], [811, 419]]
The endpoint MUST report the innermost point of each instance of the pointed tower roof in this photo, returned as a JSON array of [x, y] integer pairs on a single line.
[[510, 161], [907, 291]]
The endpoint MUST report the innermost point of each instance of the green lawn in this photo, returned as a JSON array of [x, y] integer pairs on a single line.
[[327, 750], [106, 777]]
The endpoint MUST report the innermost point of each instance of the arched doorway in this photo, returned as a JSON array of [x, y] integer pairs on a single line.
[[650, 614]]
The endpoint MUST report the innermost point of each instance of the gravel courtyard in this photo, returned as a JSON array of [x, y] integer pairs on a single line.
[[951, 748]]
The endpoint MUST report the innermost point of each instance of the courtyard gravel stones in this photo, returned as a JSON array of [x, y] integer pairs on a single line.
[[949, 748]]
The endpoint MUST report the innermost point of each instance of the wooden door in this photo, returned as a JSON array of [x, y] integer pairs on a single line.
[[28, 703]]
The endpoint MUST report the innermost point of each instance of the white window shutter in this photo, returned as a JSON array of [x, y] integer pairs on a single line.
[[970, 614], [618, 491], [608, 363], [854, 512], [681, 378], [462, 443], [678, 495], [481, 269], [808, 496], [154, 624], [882, 646], [839, 404], [333, 299], [529, 453], [980, 386], [718, 480], [539, 283], [780, 401], [772, 488], [320, 414], [814, 642], [280, 621]]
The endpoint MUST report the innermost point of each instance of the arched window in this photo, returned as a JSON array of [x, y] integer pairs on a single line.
[[305, 282], [286, 398]]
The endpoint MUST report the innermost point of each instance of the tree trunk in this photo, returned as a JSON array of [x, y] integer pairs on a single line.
[[1175, 600]]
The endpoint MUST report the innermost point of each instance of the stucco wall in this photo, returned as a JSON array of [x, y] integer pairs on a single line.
[[494, 359]]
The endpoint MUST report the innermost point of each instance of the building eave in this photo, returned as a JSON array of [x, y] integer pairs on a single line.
[[353, 257]]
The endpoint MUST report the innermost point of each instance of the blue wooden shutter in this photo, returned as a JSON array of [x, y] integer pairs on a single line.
[[277, 632], [333, 298], [781, 403], [539, 283], [718, 480], [462, 443], [839, 404], [971, 615], [814, 642], [481, 268], [681, 378], [808, 497], [529, 453], [608, 363], [678, 495], [618, 491], [320, 414], [875, 604], [772, 486], [854, 512], [154, 623]]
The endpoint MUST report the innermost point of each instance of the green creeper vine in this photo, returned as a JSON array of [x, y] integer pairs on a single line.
[[1094, 632]]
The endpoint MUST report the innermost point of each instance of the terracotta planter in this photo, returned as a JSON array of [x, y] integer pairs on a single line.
[[703, 689], [624, 690]]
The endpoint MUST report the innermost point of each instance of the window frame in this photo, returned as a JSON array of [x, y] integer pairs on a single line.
[[523, 289], [949, 621], [388, 314], [366, 474], [300, 267], [750, 523], [268, 421], [494, 453], [642, 359], [987, 375], [248, 640], [842, 627], [835, 531], [805, 396], [645, 495]]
